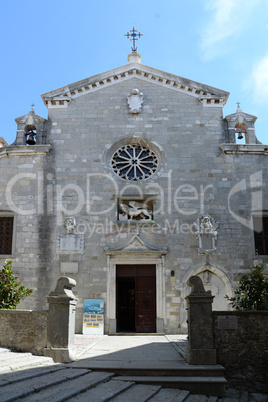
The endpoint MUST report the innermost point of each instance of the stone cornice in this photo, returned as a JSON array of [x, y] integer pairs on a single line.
[[24, 150], [252, 149], [209, 96]]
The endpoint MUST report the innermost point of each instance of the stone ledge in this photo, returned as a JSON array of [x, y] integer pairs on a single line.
[[24, 150], [252, 149]]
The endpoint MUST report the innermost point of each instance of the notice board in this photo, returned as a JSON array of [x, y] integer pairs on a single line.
[[93, 317]]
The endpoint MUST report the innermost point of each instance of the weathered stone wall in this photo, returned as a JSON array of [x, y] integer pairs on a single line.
[[194, 177], [24, 330], [243, 351]]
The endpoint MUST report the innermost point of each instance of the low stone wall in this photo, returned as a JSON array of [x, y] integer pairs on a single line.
[[24, 330], [241, 342]]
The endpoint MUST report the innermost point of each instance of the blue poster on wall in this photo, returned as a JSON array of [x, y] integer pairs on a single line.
[[93, 317]]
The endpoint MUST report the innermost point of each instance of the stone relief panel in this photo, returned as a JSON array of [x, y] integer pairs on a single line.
[[135, 101], [206, 232], [132, 210]]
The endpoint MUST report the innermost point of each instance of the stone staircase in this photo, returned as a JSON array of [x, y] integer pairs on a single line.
[[33, 378]]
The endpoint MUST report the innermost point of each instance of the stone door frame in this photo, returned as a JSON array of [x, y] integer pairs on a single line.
[[136, 259]]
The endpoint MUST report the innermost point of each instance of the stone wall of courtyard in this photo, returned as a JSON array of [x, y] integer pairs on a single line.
[[24, 330], [243, 348]]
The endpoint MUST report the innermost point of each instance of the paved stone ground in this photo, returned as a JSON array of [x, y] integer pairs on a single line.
[[83, 343], [24, 377], [179, 342]]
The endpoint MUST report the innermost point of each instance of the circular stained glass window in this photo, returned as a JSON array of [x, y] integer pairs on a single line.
[[134, 162]]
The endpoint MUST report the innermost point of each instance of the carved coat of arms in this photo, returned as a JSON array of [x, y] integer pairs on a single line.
[[135, 101], [206, 232]]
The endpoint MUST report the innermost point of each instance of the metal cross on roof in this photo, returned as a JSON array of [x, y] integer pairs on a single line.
[[133, 35], [238, 104]]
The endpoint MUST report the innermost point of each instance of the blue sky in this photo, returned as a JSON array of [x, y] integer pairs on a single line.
[[49, 44]]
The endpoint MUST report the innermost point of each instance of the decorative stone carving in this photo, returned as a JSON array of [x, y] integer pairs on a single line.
[[135, 161], [197, 287], [70, 224], [206, 233], [135, 101], [134, 210], [64, 287]]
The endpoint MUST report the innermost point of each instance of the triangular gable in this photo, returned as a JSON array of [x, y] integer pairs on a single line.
[[134, 245], [61, 97]]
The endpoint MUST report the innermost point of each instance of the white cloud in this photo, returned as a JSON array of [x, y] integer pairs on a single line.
[[260, 80], [227, 18]]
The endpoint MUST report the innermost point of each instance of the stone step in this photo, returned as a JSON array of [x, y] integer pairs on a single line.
[[31, 385], [24, 362], [104, 391], [10, 356], [22, 375], [138, 393], [152, 368], [68, 389], [170, 395], [204, 385]]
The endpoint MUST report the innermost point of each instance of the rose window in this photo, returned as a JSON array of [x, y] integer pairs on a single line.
[[134, 162]]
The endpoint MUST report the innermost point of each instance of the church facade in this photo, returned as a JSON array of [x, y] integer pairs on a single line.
[[133, 183]]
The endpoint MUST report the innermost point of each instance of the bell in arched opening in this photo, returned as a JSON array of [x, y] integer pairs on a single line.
[[30, 138]]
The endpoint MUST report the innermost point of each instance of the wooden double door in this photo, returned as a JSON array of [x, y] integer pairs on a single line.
[[136, 298]]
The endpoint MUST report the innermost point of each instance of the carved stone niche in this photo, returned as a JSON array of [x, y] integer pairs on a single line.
[[135, 101], [135, 210], [206, 232]]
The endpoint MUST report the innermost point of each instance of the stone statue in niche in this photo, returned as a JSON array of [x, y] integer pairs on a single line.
[[206, 233], [70, 224], [134, 210], [135, 101]]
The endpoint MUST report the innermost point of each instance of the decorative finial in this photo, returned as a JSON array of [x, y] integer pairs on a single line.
[[238, 107], [133, 35]]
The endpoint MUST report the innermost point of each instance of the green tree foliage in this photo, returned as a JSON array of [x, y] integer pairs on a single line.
[[252, 291], [11, 291]]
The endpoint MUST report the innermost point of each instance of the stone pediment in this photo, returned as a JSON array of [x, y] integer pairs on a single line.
[[209, 96], [136, 245]]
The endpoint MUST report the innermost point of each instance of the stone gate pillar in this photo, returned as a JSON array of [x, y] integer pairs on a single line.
[[200, 331], [61, 321]]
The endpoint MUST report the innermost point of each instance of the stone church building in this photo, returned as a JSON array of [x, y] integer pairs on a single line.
[[134, 182]]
